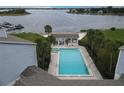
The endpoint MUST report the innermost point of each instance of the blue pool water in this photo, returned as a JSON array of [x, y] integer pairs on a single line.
[[71, 62]]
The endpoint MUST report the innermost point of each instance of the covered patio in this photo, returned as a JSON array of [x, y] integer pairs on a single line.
[[66, 38]]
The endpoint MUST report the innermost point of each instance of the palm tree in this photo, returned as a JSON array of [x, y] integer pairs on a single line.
[[48, 29], [98, 41], [90, 35], [111, 46], [43, 52], [52, 39]]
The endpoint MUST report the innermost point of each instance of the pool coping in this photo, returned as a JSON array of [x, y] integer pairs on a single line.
[[94, 73], [73, 75]]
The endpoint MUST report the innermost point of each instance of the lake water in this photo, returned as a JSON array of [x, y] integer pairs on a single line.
[[62, 21]]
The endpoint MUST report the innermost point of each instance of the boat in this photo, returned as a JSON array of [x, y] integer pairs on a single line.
[[10, 29], [10, 26], [19, 26], [0, 26], [7, 23]]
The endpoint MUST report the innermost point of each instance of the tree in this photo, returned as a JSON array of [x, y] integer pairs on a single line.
[[112, 48], [109, 9], [48, 29], [103, 61], [98, 39], [43, 53], [113, 29], [90, 37], [52, 39]]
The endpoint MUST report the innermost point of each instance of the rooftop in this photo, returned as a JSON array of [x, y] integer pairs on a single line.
[[122, 47], [65, 34], [34, 76], [14, 40]]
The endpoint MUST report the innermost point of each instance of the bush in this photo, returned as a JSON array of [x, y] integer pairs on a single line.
[[83, 30], [113, 29], [43, 53]]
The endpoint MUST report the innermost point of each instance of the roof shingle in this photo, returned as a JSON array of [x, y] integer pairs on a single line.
[[34, 76], [65, 34], [14, 40]]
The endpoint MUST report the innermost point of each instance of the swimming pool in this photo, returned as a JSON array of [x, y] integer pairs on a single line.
[[71, 62]]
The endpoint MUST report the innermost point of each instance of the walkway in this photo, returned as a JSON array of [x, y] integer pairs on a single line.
[[53, 64], [81, 35], [94, 73]]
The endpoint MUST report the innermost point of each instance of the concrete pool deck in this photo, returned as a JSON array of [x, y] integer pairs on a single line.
[[53, 67]]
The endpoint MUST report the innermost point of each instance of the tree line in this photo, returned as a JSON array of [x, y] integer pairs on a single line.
[[104, 52], [105, 10], [15, 11]]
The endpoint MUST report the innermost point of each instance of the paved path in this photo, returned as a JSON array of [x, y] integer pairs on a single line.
[[82, 35], [53, 64], [94, 73]]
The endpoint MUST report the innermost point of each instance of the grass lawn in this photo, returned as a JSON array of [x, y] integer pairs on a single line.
[[28, 36], [117, 35]]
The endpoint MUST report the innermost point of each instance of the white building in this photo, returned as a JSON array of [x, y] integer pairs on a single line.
[[100, 12], [66, 38], [15, 55], [119, 72]]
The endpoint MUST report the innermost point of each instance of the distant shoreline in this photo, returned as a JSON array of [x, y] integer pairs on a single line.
[[98, 11], [14, 12], [106, 14]]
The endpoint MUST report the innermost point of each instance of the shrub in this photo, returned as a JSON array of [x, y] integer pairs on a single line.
[[113, 29]]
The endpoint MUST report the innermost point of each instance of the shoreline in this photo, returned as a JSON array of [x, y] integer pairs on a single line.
[[11, 14], [96, 14]]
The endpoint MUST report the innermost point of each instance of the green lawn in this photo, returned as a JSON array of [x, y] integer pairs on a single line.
[[117, 35], [28, 36]]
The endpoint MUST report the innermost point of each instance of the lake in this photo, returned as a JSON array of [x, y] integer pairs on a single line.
[[62, 21]]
